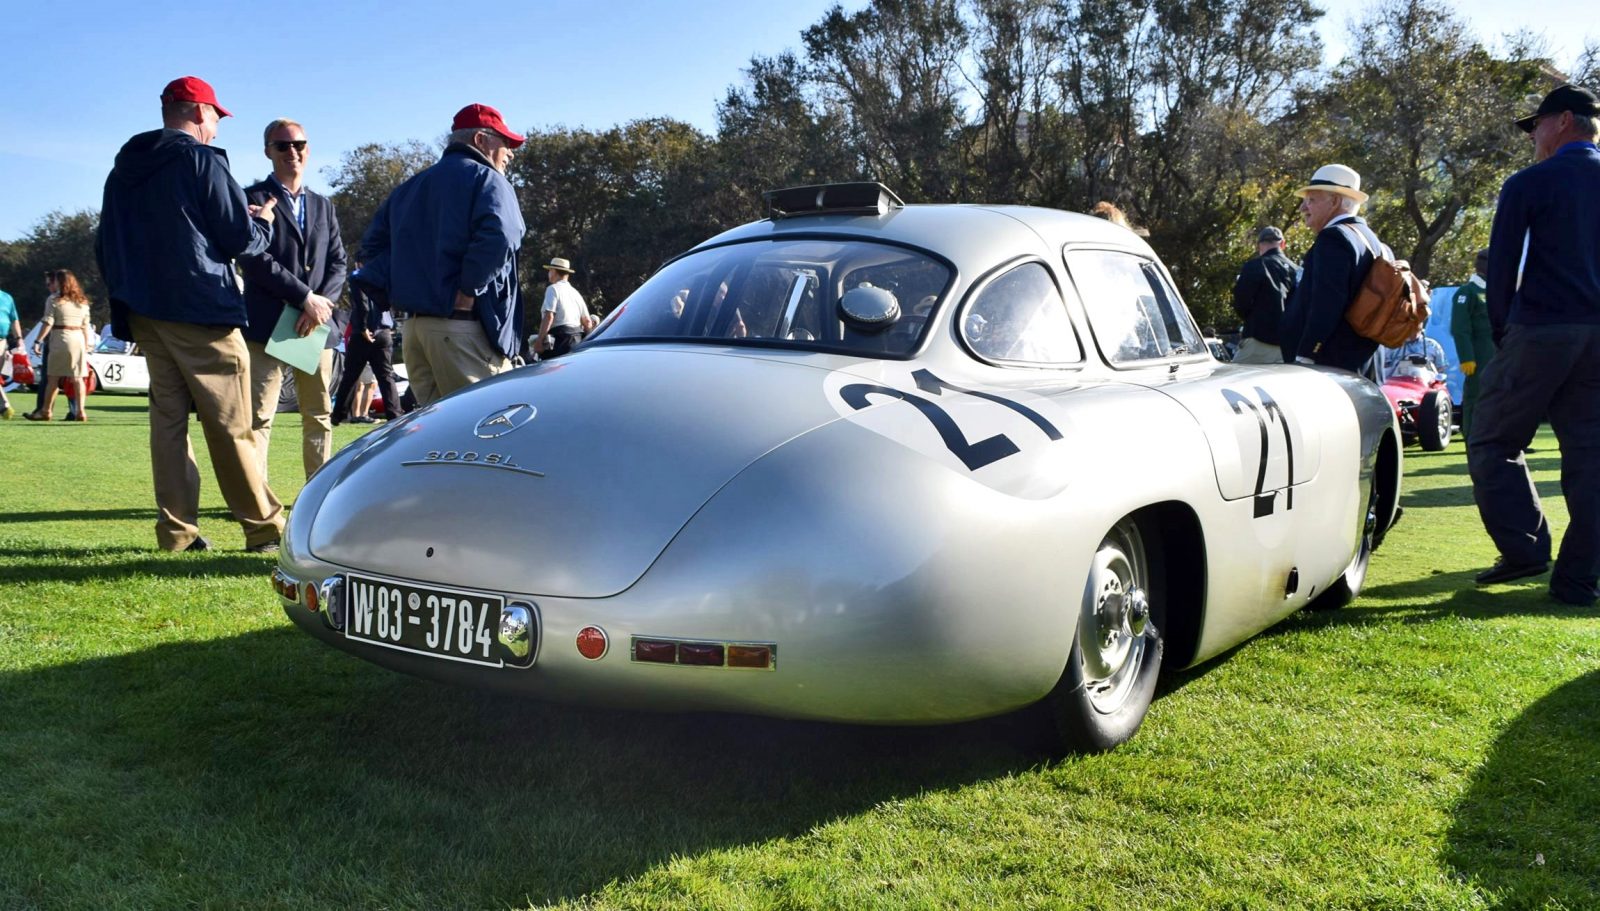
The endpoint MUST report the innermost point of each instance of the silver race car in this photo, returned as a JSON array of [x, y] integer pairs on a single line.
[[861, 462]]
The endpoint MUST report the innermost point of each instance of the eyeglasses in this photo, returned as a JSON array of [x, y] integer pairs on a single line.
[[284, 145]]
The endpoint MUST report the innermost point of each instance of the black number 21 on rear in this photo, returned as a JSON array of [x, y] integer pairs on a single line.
[[456, 625]]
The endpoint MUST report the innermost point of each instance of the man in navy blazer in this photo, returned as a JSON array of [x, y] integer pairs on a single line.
[[1544, 310], [1314, 327], [302, 269]]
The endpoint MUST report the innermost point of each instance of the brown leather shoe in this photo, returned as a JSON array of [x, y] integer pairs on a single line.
[[36, 416]]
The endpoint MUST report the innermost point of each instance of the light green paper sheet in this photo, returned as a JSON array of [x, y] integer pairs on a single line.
[[304, 354]]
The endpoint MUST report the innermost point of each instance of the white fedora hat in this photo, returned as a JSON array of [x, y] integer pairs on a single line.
[[1335, 178]]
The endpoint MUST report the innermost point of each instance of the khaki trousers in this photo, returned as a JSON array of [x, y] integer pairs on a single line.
[[316, 406], [207, 367], [1255, 351], [443, 355]]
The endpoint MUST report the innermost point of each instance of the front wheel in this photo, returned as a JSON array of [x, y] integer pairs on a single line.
[[1110, 677], [1435, 420]]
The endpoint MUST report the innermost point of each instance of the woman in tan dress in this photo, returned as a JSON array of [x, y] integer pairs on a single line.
[[66, 325]]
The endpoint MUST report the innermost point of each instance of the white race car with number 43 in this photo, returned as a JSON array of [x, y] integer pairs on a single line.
[[860, 462]]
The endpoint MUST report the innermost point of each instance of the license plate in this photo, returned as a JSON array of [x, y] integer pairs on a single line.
[[457, 625]]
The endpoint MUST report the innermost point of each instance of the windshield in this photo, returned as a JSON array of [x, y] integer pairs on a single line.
[[783, 293]]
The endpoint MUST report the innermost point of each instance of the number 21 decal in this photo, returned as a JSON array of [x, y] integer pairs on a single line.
[[1268, 410], [973, 455]]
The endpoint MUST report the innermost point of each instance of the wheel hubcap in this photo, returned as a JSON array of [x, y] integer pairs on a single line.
[[1114, 626]]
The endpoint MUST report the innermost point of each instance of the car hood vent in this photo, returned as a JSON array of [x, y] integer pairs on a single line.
[[567, 478]]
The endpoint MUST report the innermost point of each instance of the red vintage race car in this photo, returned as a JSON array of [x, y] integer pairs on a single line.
[[1421, 403]]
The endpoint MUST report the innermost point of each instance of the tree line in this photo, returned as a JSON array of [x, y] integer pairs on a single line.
[[1198, 118]]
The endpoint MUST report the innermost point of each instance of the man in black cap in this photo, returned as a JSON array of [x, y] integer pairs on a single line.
[[1264, 283], [1544, 306]]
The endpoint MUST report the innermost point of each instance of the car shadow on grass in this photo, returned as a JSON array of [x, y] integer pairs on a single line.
[[1433, 466], [1438, 596], [111, 563], [1429, 497], [1525, 830], [77, 515], [265, 769]]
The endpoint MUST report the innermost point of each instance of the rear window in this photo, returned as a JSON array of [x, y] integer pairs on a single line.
[[783, 293]]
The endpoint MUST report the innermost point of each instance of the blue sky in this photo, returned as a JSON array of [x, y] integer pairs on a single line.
[[81, 77]]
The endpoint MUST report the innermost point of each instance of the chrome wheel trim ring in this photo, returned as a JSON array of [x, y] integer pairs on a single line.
[[1113, 626]]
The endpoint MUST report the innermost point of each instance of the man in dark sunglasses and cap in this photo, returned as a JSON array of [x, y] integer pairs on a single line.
[[1544, 306]]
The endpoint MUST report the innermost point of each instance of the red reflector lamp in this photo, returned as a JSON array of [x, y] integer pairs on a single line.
[[312, 601], [757, 656], [592, 643], [660, 651], [706, 654]]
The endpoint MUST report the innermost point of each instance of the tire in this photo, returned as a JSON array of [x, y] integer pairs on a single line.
[[1434, 420], [1111, 672], [1345, 588]]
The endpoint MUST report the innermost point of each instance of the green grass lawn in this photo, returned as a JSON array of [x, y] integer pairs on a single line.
[[167, 740]]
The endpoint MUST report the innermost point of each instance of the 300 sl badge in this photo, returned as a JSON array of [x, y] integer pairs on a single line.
[[473, 458]]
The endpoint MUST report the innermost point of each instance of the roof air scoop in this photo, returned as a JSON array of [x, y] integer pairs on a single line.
[[861, 198]]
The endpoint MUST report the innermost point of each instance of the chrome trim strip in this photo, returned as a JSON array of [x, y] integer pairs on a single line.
[[499, 465]]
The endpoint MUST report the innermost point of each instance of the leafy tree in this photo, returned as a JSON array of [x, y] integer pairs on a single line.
[[1423, 111], [59, 240], [615, 203], [773, 133], [364, 178], [892, 71]]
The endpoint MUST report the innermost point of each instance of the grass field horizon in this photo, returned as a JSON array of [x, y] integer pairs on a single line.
[[167, 739]]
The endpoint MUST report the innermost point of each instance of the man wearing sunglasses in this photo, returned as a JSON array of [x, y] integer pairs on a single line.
[[302, 269]]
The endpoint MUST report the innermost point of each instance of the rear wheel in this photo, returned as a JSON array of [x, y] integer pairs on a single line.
[[1111, 672], [1345, 589], [1435, 420]]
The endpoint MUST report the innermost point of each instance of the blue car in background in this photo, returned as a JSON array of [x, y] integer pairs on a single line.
[[1438, 329]]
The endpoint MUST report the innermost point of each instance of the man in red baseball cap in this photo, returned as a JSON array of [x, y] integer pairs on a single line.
[[481, 116], [443, 248], [192, 88], [172, 222]]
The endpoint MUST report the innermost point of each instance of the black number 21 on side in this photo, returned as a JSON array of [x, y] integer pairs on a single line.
[[1267, 411]]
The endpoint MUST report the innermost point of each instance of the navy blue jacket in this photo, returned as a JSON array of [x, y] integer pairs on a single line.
[[1313, 320], [1553, 205], [454, 227], [295, 263], [171, 223], [1259, 292]]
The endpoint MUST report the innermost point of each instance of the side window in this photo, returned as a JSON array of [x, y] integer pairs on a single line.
[[1018, 318], [1134, 312]]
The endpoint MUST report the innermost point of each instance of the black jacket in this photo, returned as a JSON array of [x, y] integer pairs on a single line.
[[171, 223], [294, 263], [1314, 326], [366, 310], [1259, 293], [1552, 204]]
